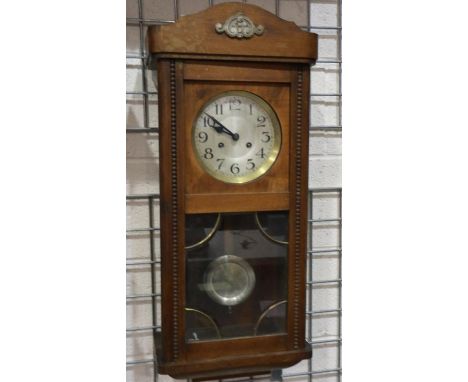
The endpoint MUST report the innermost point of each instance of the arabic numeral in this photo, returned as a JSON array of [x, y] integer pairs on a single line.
[[261, 153], [208, 122], [208, 153], [250, 164], [220, 161], [202, 137], [266, 136], [261, 121], [235, 168], [234, 104]]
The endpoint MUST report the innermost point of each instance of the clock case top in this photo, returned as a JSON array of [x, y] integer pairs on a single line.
[[194, 37], [194, 62]]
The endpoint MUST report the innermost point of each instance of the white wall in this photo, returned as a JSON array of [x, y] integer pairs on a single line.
[[325, 171]]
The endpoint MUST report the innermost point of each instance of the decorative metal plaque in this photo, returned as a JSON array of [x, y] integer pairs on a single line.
[[239, 26]]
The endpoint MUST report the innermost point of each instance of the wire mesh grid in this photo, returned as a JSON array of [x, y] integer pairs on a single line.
[[323, 311]]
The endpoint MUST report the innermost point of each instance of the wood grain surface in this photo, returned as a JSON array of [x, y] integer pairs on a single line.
[[196, 35]]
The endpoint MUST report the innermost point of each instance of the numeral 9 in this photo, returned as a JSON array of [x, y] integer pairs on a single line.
[[202, 137]]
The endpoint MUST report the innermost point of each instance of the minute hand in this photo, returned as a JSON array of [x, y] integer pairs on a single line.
[[224, 129]]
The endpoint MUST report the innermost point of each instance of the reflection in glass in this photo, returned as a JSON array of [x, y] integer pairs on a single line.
[[235, 275]]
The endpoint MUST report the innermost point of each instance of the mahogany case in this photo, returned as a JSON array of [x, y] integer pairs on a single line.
[[193, 63]]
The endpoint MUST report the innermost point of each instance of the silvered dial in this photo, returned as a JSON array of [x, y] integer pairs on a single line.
[[236, 137]]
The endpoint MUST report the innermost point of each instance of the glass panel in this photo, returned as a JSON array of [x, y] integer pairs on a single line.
[[273, 225], [236, 274]]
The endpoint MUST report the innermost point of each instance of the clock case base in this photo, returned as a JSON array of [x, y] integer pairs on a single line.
[[216, 368]]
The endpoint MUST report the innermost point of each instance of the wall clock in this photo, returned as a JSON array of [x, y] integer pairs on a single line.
[[233, 88]]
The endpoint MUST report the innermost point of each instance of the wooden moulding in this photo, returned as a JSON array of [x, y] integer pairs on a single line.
[[195, 37], [229, 366]]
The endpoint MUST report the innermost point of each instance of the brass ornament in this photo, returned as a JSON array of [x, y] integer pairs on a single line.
[[239, 26]]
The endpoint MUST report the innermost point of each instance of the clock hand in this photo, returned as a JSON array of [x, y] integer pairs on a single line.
[[220, 128], [217, 126], [223, 129]]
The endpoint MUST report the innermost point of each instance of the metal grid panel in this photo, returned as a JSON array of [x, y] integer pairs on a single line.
[[143, 266]]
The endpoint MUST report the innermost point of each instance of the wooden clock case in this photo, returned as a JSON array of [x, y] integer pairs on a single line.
[[194, 62]]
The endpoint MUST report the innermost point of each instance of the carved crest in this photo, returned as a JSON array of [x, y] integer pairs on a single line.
[[239, 26]]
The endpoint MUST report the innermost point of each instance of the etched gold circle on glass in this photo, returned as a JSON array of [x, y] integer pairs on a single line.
[[236, 137], [204, 239], [206, 322], [264, 232], [267, 311]]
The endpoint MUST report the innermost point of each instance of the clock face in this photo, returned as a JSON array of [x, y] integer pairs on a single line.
[[236, 136]]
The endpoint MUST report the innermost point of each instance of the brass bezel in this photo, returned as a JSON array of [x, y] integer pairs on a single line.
[[273, 155]]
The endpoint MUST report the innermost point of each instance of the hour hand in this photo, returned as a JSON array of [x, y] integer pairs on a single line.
[[220, 128]]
